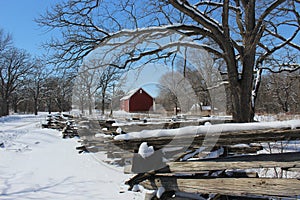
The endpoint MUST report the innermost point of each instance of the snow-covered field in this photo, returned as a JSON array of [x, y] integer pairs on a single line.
[[37, 163]]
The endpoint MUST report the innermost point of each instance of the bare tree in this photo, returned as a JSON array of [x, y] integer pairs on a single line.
[[178, 91], [284, 89], [280, 93], [242, 33], [94, 79], [79, 98], [56, 92], [109, 78], [63, 92], [48, 93], [34, 83], [14, 67]]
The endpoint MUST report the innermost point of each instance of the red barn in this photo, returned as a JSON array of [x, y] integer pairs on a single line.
[[137, 100]]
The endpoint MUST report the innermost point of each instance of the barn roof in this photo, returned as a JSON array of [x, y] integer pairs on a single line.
[[132, 92]]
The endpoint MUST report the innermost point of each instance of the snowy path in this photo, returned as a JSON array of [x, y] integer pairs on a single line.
[[36, 163]]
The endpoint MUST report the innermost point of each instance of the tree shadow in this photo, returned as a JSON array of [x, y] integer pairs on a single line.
[[53, 189]]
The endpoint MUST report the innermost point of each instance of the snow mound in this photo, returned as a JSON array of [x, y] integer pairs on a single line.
[[119, 130], [145, 151]]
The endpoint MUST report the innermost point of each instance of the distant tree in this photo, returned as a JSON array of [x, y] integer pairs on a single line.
[[34, 83], [116, 97], [14, 67], [5, 41], [109, 78], [244, 34], [195, 78], [79, 98], [17, 98], [56, 92], [280, 92], [94, 81], [177, 90], [168, 100], [48, 91], [86, 85], [199, 86], [5, 44], [63, 92]]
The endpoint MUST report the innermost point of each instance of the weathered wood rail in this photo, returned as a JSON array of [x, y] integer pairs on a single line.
[[223, 139], [196, 176], [273, 187], [282, 160]]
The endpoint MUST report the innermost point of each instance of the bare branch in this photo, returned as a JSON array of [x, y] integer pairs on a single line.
[[291, 68], [215, 4], [198, 16]]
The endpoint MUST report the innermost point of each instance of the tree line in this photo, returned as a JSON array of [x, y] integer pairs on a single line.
[[29, 85], [279, 93], [32, 84]]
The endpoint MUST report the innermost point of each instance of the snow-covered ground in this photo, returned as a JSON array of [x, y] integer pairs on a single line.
[[37, 163]]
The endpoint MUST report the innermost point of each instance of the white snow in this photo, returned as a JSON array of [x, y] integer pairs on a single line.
[[119, 130], [129, 94], [207, 124], [37, 163], [215, 154], [217, 128], [145, 150], [160, 192], [192, 154], [136, 188]]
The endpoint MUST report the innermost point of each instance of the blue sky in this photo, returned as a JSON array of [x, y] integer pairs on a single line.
[[17, 17]]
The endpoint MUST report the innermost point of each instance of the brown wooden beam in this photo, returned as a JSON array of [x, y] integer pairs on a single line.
[[224, 139], [229, 186], [283, 160]]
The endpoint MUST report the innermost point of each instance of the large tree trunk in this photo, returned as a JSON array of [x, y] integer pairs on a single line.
[[35, 106], [103, 100], [241, 86], [241, 82], [4, 103], [241, 104], [5, 110], [4, 106], [242, 92], [49, 106], [103, 106]]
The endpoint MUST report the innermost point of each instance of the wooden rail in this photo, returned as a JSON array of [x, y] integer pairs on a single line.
[[225, 138], [272, 187], [282, 160], [286, 161]]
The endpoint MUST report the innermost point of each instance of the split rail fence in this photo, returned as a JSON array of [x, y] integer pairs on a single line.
[[231, 176]]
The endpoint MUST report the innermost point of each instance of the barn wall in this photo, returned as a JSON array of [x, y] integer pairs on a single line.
[[140, 102]]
